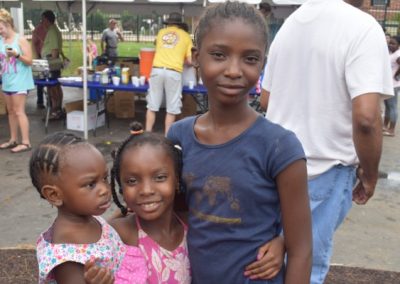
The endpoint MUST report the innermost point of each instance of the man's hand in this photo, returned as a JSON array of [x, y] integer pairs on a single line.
[[363, 189]]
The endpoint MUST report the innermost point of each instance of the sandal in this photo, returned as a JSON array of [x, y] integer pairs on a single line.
[[21, 148], [8, 145], [388, 133]]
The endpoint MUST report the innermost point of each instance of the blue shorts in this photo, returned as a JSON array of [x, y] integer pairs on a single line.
[[16, 93]]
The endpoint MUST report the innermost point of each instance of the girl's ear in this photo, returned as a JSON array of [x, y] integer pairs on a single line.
[[195, 56], [52, 194]]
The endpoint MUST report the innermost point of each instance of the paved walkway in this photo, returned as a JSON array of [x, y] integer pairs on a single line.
[[368, 238]]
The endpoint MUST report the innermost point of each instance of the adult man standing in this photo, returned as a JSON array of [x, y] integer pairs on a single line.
[[327, 69], [109, 39], [38, 36], [52, 51], [173, 47]]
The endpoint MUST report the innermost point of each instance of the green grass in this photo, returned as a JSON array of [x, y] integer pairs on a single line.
[[73, 50]]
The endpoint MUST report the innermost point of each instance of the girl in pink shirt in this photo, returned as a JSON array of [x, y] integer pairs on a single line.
[[146, 171]]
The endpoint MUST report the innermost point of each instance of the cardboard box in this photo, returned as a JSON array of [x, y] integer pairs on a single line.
[[78, 105], [124, 104], [75, 115], [75, 105], [75, 120], [189, 107], [111, 104]]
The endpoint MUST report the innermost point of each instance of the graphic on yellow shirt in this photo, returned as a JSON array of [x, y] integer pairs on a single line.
[[170, 40]]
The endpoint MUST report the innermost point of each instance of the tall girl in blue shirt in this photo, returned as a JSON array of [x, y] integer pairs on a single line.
[[245, 177]]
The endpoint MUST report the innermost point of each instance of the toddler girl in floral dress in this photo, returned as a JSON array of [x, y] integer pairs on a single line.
[[71, 175]]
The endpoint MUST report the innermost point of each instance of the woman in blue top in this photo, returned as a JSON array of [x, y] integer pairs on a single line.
[[17, 80], [245, 177]]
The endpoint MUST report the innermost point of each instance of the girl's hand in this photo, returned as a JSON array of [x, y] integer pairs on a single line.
[[97, 275], [11, 52], [269, 260]]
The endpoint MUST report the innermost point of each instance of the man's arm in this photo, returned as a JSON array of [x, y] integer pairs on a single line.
[[367, 136], [264, 98], [119, 34], [103, 39]]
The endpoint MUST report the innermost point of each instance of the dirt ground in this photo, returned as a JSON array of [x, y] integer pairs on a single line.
[[366, 245]]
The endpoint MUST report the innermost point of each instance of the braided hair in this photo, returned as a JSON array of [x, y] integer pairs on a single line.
[[45, 159], [228, 10], [139, 138]]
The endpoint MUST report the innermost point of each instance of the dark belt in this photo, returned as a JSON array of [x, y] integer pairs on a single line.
[[165, 68]]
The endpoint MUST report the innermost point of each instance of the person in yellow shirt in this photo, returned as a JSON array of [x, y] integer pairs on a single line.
[[173, 49]]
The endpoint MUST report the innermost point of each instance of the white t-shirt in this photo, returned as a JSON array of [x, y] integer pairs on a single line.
[[326, 54], [393, 61]]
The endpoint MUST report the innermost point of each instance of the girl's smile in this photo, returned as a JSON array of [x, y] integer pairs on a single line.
[[230, 59], [148, 180]]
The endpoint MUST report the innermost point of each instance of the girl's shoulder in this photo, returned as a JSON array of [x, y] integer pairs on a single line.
[[108, 249], [67, 232], [126, 228]]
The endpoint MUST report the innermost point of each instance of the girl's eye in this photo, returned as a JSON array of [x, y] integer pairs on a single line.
[[161, 178], [217, 55], [252, 59], [131, 181], [91, 185]]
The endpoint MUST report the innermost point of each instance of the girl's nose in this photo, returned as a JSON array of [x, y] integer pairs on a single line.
[[104, 188], [146, 188], [233, 69]]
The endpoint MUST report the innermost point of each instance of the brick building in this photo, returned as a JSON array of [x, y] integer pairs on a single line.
[[387, 12]]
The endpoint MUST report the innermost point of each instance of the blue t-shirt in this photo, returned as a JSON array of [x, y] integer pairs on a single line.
[[232, 197], [16, 76]]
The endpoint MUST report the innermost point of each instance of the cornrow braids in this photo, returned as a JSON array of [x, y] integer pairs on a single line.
[[225, 11], [45, 159], [139, 138]]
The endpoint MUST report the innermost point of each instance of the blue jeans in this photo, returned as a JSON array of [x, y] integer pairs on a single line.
[[391, 107], [330, 200]]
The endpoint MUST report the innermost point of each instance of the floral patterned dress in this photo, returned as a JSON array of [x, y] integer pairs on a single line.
[[165, 266], [109, 249]]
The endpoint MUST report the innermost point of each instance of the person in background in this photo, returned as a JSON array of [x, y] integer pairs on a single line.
[[391, 113], [92, 52], [336, 61], [17, 80], [52, 51], [173, 48], [38, 36], [109, 39], [273, 23]]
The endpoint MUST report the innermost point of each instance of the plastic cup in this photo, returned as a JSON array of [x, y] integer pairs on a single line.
[[142, 80], [135, 81], [191, 84], [116, 80]]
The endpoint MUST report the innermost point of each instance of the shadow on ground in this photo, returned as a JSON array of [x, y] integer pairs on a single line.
[[20, 266]]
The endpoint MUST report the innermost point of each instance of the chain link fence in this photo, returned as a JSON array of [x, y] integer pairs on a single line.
[[386, 12]]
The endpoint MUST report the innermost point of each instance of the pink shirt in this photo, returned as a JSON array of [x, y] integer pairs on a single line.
[[151, 263]]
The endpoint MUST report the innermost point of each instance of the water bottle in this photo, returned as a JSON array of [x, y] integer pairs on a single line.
[[94, 64]]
